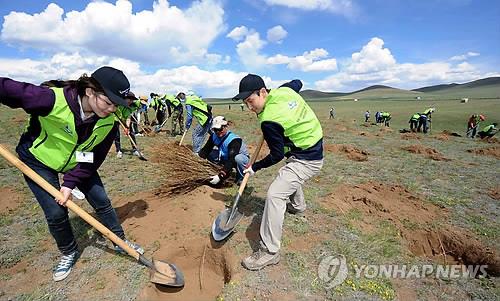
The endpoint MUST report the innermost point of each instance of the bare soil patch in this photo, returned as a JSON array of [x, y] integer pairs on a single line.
[[9, 200], [410, 136], [494, 193], [415, 220], [426, 151], [180, 228], [493, 151], [353, 153]]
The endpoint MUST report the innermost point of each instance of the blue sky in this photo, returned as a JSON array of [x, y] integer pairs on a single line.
[[207, 46]]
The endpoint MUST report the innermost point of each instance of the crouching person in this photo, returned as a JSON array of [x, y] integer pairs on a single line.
[[227, 149]]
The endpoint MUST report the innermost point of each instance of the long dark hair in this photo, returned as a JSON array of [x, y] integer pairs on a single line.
[[80, 84]]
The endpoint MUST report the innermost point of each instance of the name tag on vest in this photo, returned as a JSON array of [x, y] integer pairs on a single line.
[[84, 157]]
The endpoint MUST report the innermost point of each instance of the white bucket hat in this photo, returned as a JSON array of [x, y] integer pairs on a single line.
[[218, 122]]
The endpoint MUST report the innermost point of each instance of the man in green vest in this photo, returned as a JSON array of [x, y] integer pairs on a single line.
[[488, 131], [292, 130], [386, 117], [177, 115], [414, 122], [197, 108], [123, 114]]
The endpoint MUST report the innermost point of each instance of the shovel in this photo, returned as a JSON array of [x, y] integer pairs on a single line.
[[228, 219], [182, 139], [158, 128], [141, 156], [161, 273]]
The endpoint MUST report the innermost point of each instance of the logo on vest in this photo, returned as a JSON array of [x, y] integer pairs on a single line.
[[292, 105], [68, 130]]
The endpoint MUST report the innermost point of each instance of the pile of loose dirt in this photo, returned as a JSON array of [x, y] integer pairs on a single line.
[[186, 171], [426, 151], [409, 136], [415, 220], [352, 152], [448, 133], [494, 193], [490, 151], [491, 140], [178, 227]]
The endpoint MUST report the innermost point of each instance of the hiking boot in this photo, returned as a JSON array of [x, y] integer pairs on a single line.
[[134, 246], [260, 259], [63, 268], [119, 155]]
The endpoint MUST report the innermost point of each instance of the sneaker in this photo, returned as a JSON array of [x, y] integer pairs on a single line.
[[136, 153], [260, 259], [139, 135], [119, 155], [64, 266], [134, 246]]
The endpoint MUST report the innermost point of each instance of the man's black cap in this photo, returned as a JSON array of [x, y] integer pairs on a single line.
[[114, 83], [248, 85]]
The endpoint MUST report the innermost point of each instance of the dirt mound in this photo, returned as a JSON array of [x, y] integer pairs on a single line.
[[386, 130], [352, 152], [490, 151], [409, 136], [190, 171], [426, 151], [415, 221], [494, 193], [442, 137], [172, 226], [490, 140], [10, 200]]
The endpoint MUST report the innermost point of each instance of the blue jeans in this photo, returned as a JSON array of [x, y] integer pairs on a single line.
[[199, 133], [57, 215], [241, 160]]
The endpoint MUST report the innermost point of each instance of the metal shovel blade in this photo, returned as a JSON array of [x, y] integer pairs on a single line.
[[162, 273], [222, 227]]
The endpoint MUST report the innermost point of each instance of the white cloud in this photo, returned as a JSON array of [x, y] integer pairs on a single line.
[[238, 33], [276, 34], [464, 57], [372, 57], [249, 50], [375, 64], [343, 7], [308, 62], [220, 83], [163, 34]]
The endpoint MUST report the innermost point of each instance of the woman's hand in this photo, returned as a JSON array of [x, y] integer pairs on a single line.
[[66, 192]]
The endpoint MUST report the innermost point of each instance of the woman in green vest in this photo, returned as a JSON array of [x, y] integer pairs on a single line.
[[70, 131], [197, 108], [291, 130]]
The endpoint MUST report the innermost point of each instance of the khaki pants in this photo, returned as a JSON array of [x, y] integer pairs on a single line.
[[286, 187]]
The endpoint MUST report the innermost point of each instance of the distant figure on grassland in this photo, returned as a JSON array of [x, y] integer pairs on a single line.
[[332, 113], [473, 124], [488, 131], [367, 115]]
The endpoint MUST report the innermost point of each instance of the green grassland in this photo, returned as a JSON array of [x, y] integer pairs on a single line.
[[455, 185]]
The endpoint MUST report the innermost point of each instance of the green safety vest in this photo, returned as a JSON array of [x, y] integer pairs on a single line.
[[428, 111], [200, 108], [415, 116], [174, 101], [58, 140], [385, 114], [123, 112], [287, 108], [488, 128]]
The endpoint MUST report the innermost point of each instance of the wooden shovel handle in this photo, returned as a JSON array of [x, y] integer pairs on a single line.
[[182, 139], [70, 204], [129, 138], [252, 161]]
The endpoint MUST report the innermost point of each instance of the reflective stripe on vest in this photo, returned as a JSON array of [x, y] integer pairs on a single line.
[[287, 108], [58, 140], [222, 144], [200, 108]]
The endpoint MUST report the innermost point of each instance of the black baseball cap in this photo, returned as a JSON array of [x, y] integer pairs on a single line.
[[248, 85], [114, 83]]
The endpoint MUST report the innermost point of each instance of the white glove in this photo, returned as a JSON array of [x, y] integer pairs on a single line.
[[214, 180], [249, 170]]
